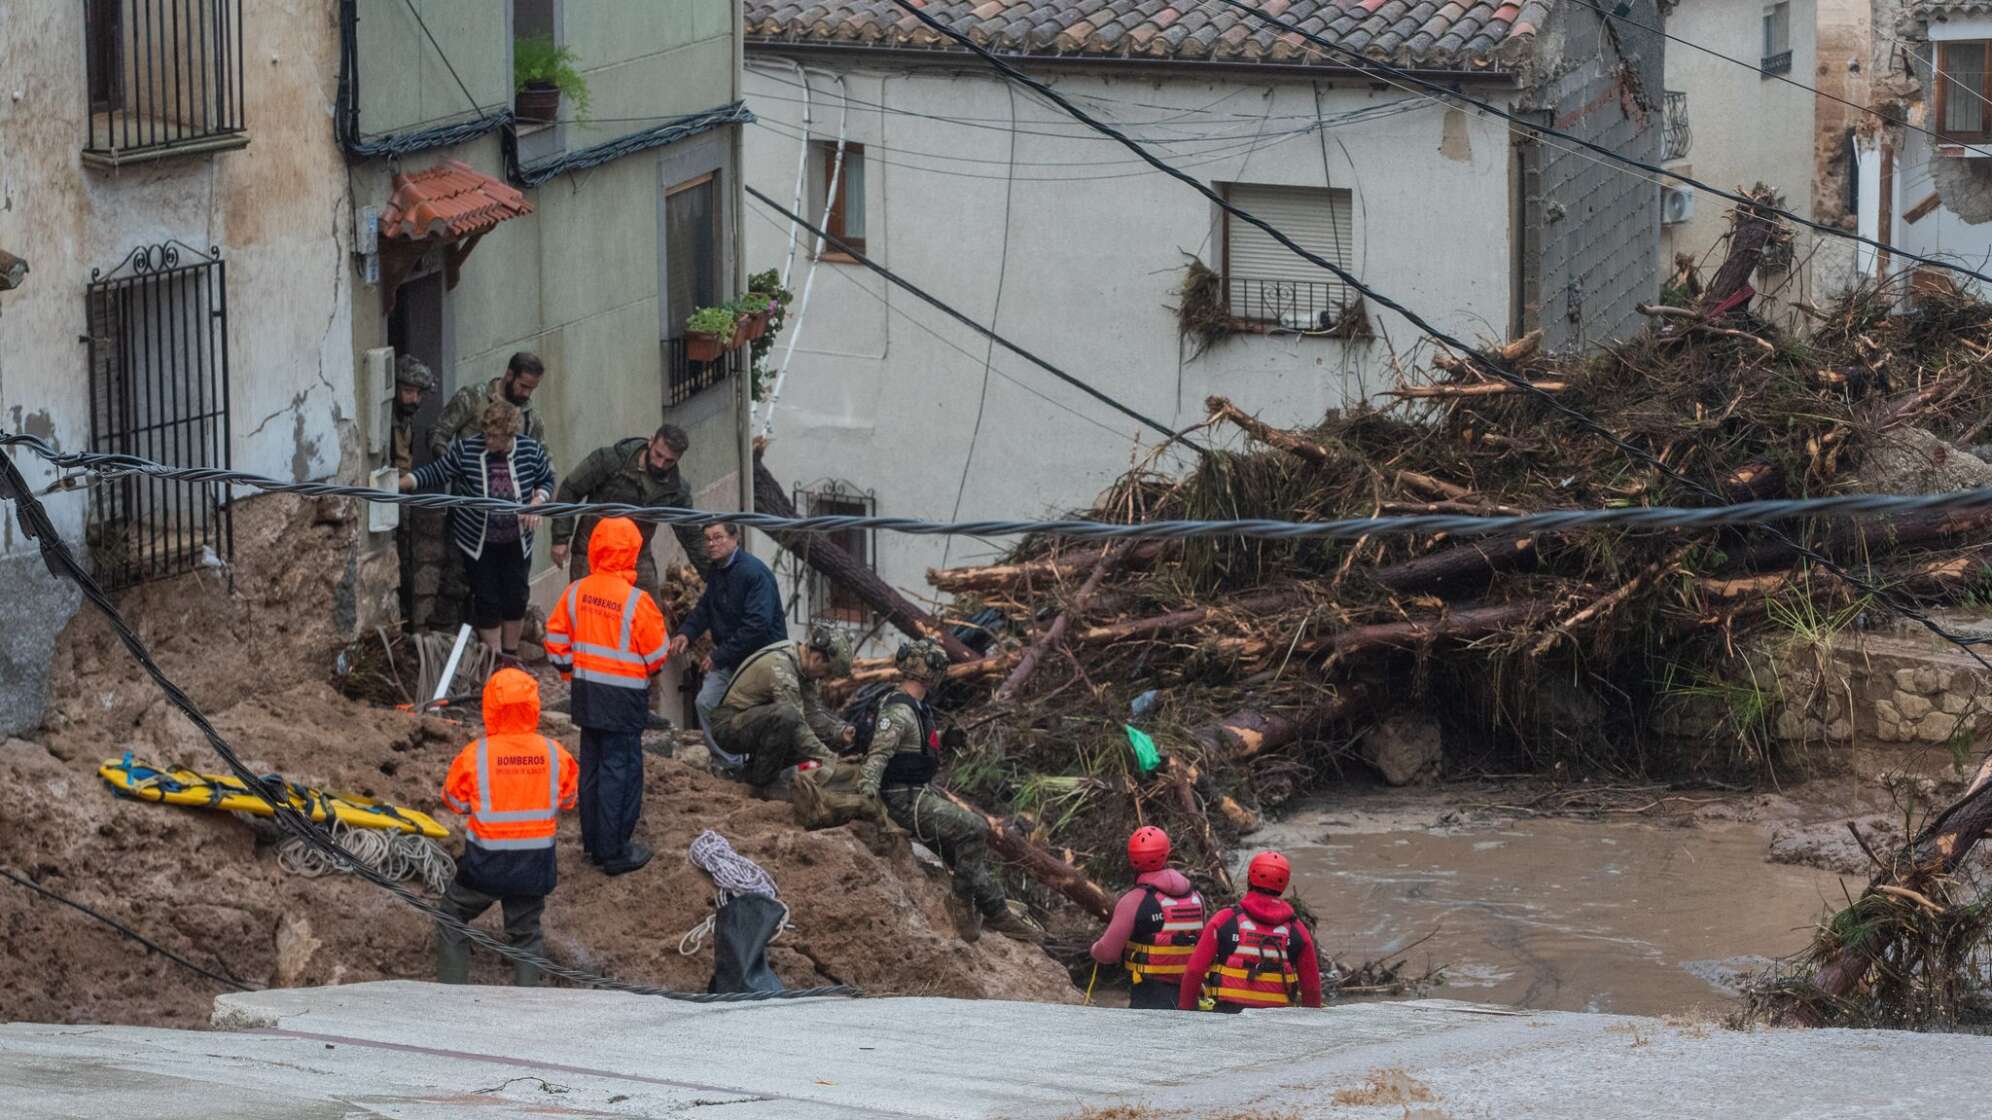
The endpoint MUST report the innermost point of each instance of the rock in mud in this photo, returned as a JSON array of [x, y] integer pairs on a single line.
[[1406, 750]]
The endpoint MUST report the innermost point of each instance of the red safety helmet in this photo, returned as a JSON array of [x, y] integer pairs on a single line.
[[1269, 872], [1148, 849]]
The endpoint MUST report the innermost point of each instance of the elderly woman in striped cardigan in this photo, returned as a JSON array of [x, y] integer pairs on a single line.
[[497, 548]]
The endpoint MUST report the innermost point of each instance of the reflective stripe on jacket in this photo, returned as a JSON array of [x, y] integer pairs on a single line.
[[608, 639], [1258, 972], [1165, 933], [512, 785]]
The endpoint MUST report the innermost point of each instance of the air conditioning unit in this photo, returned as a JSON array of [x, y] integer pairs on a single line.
[[1677, 205]]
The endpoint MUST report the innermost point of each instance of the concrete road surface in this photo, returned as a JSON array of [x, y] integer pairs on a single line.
[[419, 1051]]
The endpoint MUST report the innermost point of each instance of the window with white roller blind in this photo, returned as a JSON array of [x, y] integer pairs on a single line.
[[1265, 281]]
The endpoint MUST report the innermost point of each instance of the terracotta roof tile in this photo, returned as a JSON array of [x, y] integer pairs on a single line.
[[450, 200], [1449, 34]]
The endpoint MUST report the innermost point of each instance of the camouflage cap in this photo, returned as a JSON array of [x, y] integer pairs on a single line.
[[413, 371], [834, 646], [922, 661]]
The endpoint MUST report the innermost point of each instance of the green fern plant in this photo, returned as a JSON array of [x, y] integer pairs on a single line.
[[537, 60]]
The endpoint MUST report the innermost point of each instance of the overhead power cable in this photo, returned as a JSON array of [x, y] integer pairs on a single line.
[[933, 301], [35, 523], [1762, 513], [1486, 361], [1364, 62], [857, 286], [126, 931]]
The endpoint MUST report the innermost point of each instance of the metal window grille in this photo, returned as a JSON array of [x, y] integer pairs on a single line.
[[161, 74], [1777, 39], [158, 340], [829, 601], [685, 378], [1679, 135]]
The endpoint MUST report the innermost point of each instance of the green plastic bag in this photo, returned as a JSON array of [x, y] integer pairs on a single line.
[[1145, 753]]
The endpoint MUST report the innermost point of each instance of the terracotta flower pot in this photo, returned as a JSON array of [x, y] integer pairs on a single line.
[[538, 103], [704, 346], [740, 335], [756, 324]]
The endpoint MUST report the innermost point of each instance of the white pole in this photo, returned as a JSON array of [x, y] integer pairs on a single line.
[[450, 668]]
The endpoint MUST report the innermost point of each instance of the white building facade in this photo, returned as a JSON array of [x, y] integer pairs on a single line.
[[1065, 243]]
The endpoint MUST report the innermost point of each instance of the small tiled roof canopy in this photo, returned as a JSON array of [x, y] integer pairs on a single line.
[[443, 209], [450, 200], [1438, 34]]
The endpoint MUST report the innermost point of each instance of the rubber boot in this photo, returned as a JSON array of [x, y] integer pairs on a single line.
[[525, 975], [967, 923], [1006, 922], [452, 961]]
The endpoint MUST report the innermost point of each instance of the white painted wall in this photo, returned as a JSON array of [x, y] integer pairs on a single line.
[[275, 208], [1075, 255], [1747, 129]]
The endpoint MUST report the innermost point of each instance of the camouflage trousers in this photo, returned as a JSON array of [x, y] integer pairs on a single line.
[[773, 738], [959, 836]]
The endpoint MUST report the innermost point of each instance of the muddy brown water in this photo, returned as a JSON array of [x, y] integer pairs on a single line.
[[1567, 915]]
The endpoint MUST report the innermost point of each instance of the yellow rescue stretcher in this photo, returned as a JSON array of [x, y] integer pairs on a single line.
[[228, 793]]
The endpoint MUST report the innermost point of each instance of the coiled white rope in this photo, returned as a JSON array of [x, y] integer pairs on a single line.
[[403, 856], [733, 875]]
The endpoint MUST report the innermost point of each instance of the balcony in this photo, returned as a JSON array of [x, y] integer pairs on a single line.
[[685, 378], [164, 78], [1312, 307], [1679, 135], [1775, 64]]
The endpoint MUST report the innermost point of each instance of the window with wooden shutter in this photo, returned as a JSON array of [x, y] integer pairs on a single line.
[[845, 219], [1266, 282], [1961, 93]]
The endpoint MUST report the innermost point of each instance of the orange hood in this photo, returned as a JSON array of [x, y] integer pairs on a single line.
[[613, 547], [511, 703]]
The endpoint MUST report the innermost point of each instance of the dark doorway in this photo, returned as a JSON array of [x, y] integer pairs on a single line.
[[416, 327]]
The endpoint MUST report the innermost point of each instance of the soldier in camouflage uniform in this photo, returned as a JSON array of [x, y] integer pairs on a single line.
[[412, 382], [773, 712], [463, 415], [637, 472], [896, 778]]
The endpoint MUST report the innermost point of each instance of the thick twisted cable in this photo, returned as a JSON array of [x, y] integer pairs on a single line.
[[1843, 506], [36, 523]]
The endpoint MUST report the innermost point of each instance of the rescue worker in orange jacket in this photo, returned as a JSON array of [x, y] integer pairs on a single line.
[[1254, 954], [608, 639], [512, 784], [1154, 926]]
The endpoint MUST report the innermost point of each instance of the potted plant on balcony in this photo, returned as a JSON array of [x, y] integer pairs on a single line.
[[754, 310], [541, 73], [710, 332]]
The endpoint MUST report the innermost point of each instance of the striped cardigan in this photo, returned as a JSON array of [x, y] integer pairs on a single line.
[[463, 468]]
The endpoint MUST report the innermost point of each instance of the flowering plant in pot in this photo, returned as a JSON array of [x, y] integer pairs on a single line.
[[709, 332], [541, 73], [754, 310]]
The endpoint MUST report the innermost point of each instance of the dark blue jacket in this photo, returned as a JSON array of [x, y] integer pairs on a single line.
[[742, 608]]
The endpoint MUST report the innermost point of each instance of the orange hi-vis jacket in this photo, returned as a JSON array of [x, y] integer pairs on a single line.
[[512, 785], [607, 637]]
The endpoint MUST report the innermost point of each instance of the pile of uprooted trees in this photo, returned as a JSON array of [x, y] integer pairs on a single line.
[[1257, 665]]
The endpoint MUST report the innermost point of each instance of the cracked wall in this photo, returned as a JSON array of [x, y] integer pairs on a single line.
[[275, 209]]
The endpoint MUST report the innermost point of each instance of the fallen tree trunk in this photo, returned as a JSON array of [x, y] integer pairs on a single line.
[[1066, 566], [1260, 603], [1053, 635], [1245, 733], [1222, 409], [1472, 622], [1750, 232], [1480, 389], [827, 557], [1867, 538], [1936, 852], [1474, 561], [1054, 870]]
